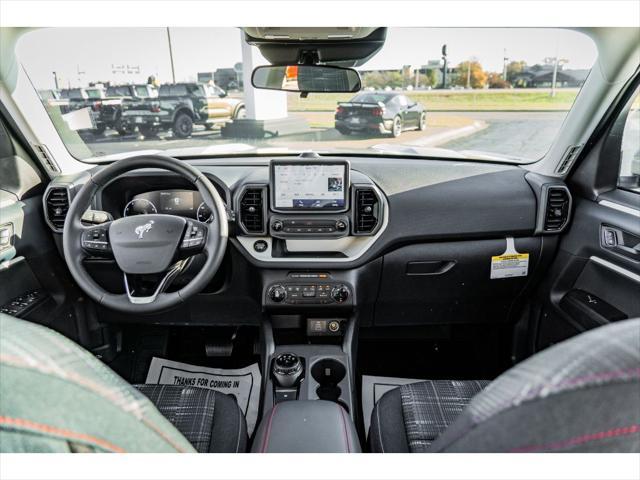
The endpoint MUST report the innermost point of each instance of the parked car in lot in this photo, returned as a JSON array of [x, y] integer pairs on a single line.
[[107, 104], [381, 112], [118, 98], [91, 98], [180, 106]]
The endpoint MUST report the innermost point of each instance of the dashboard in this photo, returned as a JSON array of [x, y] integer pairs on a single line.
[[401, 240]]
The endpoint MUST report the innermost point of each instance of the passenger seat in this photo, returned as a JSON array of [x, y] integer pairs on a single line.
[[581, 395]]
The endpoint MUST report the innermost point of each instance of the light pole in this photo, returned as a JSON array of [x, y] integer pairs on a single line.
[[505, 60], [55, 80], [173, 70], [556, 63], [444, 66]]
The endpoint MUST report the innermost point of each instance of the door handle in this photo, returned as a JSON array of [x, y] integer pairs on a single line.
[[620, 241]]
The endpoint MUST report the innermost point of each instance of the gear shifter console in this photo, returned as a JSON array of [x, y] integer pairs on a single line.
[[287, 370]]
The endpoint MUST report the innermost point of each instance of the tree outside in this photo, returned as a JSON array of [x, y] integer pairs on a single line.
[[470, 72], [495, 80], [514, 69], [380, 80]]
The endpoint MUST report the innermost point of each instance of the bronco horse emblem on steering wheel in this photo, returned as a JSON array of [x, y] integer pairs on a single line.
[[142, 229]]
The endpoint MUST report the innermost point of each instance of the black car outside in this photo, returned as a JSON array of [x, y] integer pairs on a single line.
[[380, 112]]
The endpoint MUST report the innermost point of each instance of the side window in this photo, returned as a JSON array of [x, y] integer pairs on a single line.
[[179, 90], [196, 90], [629, 178], [402, 100]]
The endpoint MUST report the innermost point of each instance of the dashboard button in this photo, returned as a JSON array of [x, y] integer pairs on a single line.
[[341, 225], [260, 246]]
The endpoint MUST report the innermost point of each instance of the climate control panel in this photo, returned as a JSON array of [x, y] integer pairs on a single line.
[[308, 294], [334, 226]]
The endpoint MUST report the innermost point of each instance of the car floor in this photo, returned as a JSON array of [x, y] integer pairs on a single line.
[[460, 352], [182, 344]]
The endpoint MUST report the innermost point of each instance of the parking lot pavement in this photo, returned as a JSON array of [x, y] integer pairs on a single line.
[[528, 133]]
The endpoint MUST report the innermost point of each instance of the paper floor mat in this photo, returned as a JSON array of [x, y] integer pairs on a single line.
[[242, 383], [373, 388]]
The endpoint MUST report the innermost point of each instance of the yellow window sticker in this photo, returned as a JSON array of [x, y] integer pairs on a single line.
[[510, 264]]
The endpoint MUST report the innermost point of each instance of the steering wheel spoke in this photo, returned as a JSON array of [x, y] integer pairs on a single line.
[[95, 240], [138, 293]]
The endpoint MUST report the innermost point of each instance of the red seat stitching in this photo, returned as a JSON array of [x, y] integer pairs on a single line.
[[590, 437], [265, 442]]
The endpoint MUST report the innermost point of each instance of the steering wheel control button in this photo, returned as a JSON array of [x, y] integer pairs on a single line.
[[95, 241], [193, 236], [260, 246]]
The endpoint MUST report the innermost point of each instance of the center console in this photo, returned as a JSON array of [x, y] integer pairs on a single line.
[[309, 397], [313, 210]]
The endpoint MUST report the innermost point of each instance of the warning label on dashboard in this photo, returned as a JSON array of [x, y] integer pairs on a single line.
[[510, 263], [242, 383]]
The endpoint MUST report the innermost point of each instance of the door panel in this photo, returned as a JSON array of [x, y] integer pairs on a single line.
[[33, 282], [592, 282]]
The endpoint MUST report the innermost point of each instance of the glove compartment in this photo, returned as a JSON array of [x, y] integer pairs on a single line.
[[450, 282]]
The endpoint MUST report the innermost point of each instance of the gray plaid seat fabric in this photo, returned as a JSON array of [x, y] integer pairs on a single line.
[[581, 395], [210, 420], [409, 418], [430, 407], [57, 397]]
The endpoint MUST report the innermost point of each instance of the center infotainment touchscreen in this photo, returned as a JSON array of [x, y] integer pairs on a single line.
[[310, 186]]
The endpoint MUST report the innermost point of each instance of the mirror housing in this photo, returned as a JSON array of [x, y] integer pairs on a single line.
[[306, 78]]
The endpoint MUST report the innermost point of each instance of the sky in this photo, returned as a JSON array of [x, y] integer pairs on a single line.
[[80, 55]]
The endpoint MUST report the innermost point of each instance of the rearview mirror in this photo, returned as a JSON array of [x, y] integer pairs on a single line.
[[306, 78]]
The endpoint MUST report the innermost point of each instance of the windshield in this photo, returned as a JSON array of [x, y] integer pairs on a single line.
[[495, 94]]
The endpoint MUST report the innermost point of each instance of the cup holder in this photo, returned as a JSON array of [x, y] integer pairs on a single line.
[[328, 373]]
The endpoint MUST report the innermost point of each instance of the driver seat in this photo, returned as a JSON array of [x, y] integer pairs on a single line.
[[57, 397]]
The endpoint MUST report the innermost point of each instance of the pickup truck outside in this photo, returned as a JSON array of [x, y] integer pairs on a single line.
[[107, 104], [180, 106]]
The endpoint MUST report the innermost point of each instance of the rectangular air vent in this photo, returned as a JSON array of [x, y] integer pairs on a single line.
[[57, 205], [366, 208], [568, 159], [557, 209], [252, 210]]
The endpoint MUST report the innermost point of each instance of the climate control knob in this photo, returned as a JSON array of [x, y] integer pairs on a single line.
[[341, 225], [277, 226], [277, 293], [340, 293]]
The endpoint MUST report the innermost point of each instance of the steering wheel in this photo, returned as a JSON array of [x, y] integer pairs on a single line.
[[150, 250]]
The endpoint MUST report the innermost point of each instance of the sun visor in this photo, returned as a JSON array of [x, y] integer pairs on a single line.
[[346, 46]]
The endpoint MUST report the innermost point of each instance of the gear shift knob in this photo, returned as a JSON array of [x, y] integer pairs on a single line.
[[287, 370]]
